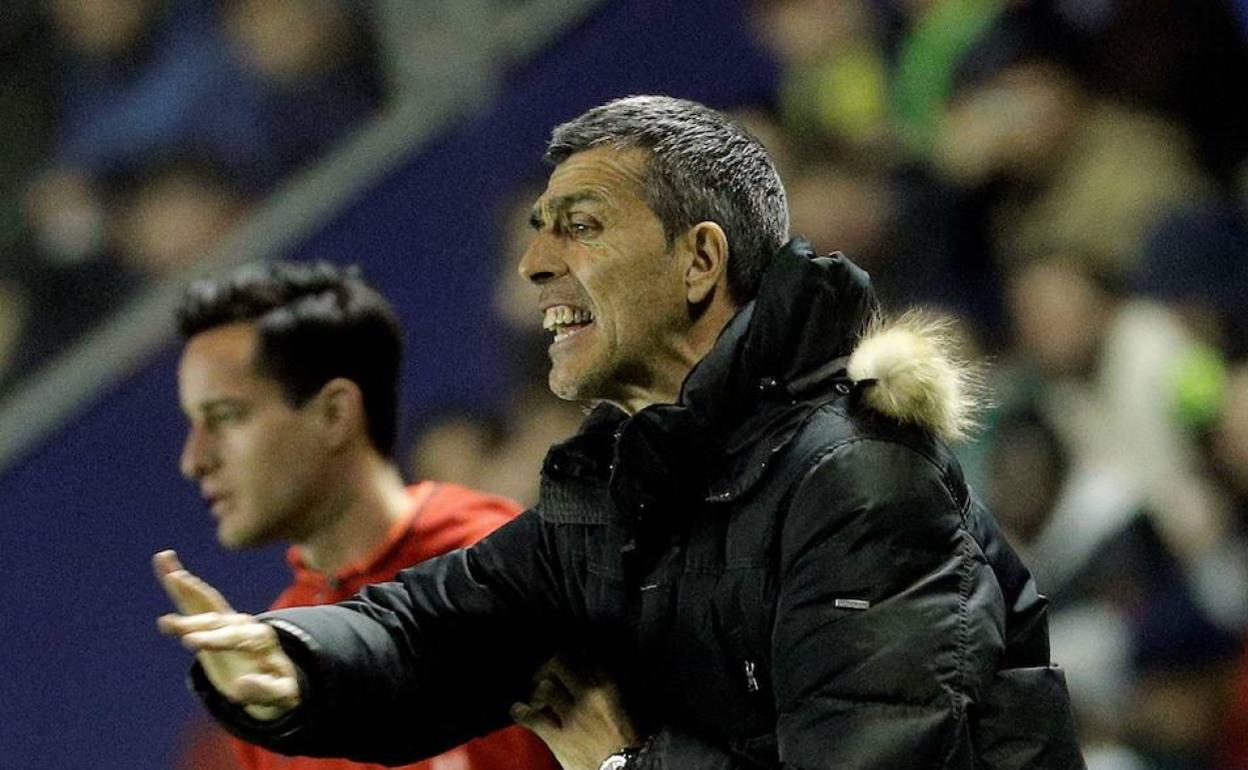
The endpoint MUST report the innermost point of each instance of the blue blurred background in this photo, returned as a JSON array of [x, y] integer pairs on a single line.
[[1066, 179]]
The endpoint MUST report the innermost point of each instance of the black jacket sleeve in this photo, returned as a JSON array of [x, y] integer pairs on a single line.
[[411, 668]]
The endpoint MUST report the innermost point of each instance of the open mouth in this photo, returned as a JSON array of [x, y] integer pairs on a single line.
[[215, 502], [566, 321]]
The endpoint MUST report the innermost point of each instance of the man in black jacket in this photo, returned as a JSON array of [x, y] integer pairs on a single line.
[[759, 531]]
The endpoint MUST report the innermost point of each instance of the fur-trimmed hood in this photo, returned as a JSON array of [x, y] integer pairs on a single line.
[[909, 371], [816, 324], [813, 334]]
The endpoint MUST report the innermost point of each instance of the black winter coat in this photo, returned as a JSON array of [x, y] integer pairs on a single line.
[[780, 577]]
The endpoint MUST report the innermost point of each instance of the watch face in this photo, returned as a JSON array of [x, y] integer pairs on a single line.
[[614, 762]]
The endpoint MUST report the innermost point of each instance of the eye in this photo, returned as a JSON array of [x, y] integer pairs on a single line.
[[581, 226], [215, 418]]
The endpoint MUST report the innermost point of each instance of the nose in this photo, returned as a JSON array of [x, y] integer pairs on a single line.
[[197, 456], [540, 263]]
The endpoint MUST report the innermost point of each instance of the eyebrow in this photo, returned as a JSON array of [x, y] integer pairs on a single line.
[[561, 203], [229, 402]]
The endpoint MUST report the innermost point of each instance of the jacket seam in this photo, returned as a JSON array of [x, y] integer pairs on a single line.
[[960, 659], [959, 687], [833, 406]]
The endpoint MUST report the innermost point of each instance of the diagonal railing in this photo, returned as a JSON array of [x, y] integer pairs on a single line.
[[442, 66]]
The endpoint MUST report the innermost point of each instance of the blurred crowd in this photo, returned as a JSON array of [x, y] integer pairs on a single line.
[[135, 134], [1069, 180]]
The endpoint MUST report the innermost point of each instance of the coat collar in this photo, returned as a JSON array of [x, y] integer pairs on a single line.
[[777, 360]]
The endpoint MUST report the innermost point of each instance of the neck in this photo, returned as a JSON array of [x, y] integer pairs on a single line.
[[371, 499], [684, 353]]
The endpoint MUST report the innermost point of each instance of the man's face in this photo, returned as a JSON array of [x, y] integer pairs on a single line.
[[261, 465], [611, 290]]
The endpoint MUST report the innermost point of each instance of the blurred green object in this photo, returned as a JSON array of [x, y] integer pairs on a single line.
[[927, 61], [843, 97], [1198, 386]]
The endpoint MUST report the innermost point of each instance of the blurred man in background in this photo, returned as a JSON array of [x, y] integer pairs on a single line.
[[289, 378]]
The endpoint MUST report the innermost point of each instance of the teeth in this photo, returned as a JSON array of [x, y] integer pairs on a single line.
[[564, 315]]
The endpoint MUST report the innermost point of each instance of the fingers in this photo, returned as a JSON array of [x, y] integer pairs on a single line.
[[553, 694], [165, 562], [277, 690], [174, 624], [255, 638], [190, 594], [215, 632], [537, 719], [575, 675], [549, 703]]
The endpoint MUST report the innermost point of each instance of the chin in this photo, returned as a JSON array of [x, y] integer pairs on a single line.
[[238, 540], [562, 385], [231, 542], [574, 388]]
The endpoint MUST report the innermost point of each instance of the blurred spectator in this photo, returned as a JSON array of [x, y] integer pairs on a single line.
[[27, 114], [455, 445], [171, 117], [1195, 262], [1124, 622], [1229, 447], [14, 311], [1106, 368], [1169, 56], [834, 90], [139, 79], [1230, 439], [1181, 666], [537, 420], [936, 34], [841, 208], [172, 213], [161, 77], [504, 456], [1081, 174], [311, 70]]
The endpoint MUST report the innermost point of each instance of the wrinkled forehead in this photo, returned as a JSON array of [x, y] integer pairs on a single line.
[[604, 175]]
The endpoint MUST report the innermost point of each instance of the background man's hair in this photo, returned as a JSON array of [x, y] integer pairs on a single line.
[[703, 167], [315, 322]]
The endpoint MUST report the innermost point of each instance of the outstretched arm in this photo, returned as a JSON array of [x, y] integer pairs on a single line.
[[403, 671]]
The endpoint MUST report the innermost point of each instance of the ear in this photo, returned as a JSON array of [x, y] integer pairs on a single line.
[[708, 263], [340, 408]]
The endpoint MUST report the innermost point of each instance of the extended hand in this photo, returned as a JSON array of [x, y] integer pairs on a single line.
[[578, 714], [240, 655]]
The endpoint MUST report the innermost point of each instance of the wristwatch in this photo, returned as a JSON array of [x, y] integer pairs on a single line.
[[619, 760]]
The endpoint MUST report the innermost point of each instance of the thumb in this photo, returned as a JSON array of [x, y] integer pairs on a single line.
[[539, 720]]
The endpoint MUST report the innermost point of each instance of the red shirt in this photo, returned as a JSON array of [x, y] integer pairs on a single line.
[[1233, 751], [443, 517]]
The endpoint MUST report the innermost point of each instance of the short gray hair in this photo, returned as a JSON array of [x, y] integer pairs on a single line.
[[702, 167]]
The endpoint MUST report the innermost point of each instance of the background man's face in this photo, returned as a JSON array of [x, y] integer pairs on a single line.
[[611, 291], [258, 461]]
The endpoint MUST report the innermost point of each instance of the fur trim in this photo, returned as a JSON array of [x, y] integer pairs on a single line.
[[918, 376]]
